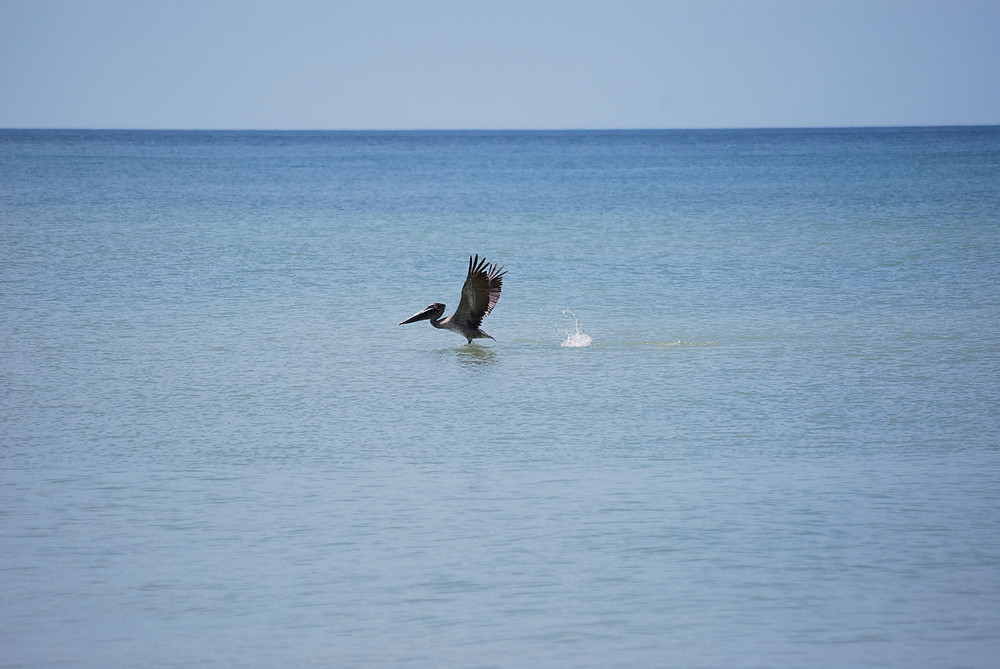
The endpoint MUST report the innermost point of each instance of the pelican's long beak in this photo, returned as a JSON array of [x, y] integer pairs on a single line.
[[420, 315]]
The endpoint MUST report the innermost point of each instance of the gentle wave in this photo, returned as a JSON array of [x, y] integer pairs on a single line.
[[671, 344]]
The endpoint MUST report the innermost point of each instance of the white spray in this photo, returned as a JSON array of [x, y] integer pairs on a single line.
[[577, 338]]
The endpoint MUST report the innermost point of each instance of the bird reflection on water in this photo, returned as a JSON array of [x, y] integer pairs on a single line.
[[475, 354]]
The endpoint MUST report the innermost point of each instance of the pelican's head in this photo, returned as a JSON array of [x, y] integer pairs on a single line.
[[434, 311]]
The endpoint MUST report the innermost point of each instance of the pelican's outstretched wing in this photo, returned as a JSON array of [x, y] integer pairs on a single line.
[[480, 292]]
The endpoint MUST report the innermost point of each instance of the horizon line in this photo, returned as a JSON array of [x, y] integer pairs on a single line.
[[487, 129]]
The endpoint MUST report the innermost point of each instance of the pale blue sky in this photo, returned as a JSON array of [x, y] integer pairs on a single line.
[[290, 64]]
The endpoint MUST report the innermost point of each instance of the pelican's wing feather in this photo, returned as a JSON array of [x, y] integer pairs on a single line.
[[480, 292]]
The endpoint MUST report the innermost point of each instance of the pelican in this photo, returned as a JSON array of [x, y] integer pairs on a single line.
[[479, 295]]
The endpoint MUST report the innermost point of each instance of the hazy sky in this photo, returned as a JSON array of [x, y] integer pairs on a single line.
[[497, 64]]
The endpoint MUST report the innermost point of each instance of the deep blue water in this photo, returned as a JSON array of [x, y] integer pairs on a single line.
[[775, 442]]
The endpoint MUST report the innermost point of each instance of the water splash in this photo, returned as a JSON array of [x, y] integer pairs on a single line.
[[577, 338]]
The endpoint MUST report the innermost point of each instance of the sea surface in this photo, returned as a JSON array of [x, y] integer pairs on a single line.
[[742, 408]]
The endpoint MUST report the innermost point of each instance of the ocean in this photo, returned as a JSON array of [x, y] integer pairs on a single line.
[[742, 408]]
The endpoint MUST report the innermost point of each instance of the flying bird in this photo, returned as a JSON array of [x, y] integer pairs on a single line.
[[479, 295]]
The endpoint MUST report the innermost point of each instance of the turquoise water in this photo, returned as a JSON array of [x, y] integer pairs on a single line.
[[742, 409]]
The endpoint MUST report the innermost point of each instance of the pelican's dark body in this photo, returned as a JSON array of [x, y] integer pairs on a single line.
[[479, 295]]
